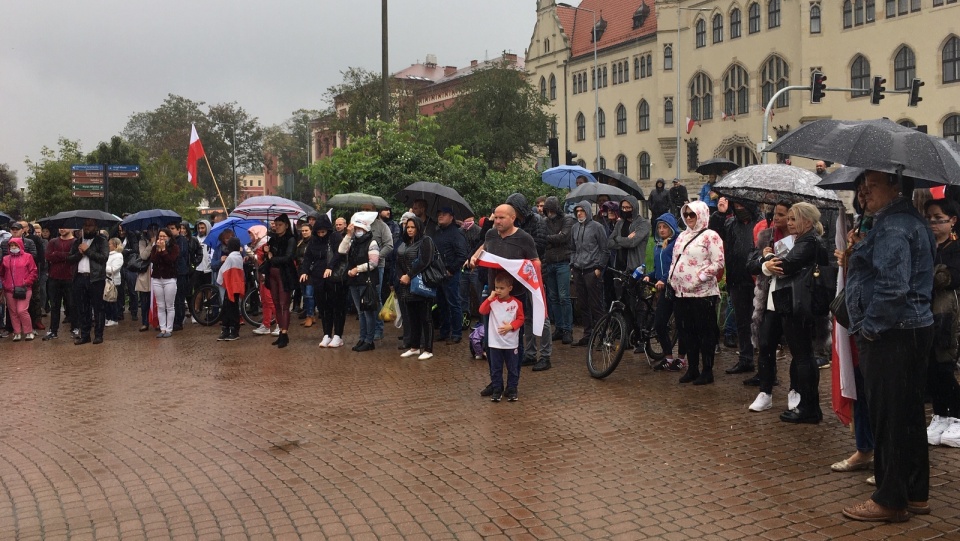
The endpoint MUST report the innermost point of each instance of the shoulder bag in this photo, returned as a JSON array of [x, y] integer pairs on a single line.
[[433, 275], [809, 293], [338, 273], [669, 292], [109, 291], [369, 299]]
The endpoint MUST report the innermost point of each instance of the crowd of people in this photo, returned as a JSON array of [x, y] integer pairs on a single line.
[[902, 272]]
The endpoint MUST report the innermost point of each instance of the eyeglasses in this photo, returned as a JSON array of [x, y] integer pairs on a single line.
[[689, 215], [939, 222]]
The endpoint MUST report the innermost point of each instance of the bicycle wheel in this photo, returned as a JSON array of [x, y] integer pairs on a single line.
[[652, 346], [252, 309], [205, 305], [607, 343]]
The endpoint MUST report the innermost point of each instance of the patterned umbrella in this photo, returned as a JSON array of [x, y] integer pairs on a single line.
[[769, 183], [268, 207]]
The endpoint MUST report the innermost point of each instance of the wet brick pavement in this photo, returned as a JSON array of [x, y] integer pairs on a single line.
[[188, 438]]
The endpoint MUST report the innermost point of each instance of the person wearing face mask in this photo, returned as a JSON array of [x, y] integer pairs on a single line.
[[363, 256], [629, 236], [89, 253], [18, 272]]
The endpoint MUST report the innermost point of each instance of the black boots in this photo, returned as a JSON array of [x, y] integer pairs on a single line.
[[693, 371], [282, 340], [542, 364], [706, 376], [808, 385]]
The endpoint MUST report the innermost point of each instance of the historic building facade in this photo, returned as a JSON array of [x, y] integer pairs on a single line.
[[718, 62]]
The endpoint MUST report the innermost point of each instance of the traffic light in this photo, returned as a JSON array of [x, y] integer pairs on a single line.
[[878, 90], [915, 93], [571, 158], [818, 84], [554, 146]]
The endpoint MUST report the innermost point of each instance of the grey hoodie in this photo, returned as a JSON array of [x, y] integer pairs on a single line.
[[204, 265], [631, 250], [589, 242]]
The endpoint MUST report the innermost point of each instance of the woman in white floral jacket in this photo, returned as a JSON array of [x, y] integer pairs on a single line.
[[697, 264]]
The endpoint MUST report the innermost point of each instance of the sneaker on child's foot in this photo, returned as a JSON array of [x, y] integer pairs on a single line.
[[937, 426], [29, 336], [276, 331], [412, 352], [662, 365], [487, 391], [109, 323], [224, 333], [496, 395], [512, 395], [262, 329], [677, 365]]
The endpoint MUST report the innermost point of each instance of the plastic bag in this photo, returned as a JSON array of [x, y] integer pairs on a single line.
[[389, 311]]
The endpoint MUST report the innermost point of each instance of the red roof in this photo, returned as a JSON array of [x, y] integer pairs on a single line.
[[618, 14]]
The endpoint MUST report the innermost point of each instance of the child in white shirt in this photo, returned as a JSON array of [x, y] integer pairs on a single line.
[[503, 336]]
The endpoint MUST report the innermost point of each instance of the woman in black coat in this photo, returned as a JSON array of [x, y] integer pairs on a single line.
[[413, 256], [319, 260], [279, 266]]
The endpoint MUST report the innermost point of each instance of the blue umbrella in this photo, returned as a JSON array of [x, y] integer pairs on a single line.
[[239, 227], [565, 176], [140, 221]]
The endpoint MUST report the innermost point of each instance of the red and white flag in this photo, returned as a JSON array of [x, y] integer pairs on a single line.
[[194, 153], [690, 123], [844, 352], [526, 273]]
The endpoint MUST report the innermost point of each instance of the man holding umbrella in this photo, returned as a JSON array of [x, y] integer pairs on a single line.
[[89, 253], [452, 246]]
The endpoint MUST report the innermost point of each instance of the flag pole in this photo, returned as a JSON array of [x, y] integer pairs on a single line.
[[215, 185]]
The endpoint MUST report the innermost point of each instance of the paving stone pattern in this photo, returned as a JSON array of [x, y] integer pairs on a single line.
[[189, 438]]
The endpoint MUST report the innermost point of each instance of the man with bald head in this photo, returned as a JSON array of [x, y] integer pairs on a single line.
[[821, 168]]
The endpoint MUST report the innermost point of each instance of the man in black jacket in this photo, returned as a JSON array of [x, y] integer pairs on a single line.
[[660, 202], [470, 287], [452, 246], [556, 269], [89, 253], [735, 222], [678, 196]]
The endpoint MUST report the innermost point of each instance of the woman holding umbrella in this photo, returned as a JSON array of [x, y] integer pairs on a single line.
[[281, 273]]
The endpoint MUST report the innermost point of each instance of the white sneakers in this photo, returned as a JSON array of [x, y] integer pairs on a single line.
[[335, 342], [109, 323], [326, 341], [949, 431], [425, 355], [29, 336], [763, 402], [262, 329], [793, 399], [410, 353], [276, 331]]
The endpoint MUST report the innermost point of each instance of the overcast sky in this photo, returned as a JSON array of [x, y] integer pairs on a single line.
[[79, 69]]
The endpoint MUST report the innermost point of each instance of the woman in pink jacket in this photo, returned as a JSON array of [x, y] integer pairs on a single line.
[[18, 272], [697, 262]]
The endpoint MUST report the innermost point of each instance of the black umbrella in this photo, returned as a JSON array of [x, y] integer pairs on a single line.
[[308, 210], [73, 219], [880, 145], [716, 166], [591, 190], [140, 221], [625, 183], [4, 218], [437, 196], [844, 178]]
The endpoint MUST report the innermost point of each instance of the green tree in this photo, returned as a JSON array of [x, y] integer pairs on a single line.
[[357, 101], [10, 195], [166, 189], [48, 183], [288, 142], [498, 117]]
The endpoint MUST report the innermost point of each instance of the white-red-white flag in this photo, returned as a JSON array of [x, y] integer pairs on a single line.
[[527, 273], [194, 153], [690, 123]]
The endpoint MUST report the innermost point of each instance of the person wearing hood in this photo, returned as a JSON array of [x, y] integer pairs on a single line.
[[696, 264], [363, 258], [590, 255], [535, 225], [734, 222], [667, 232], [257, 255], [232, 281], [303, 296], [18, 272], [319, 260], [660, 201], [414, 255], [281, 273], [89, 253], [629, 236], [203, 273], [556, 269]]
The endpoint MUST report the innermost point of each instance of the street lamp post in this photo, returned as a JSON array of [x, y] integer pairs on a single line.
[[677, 100], [596, 76]]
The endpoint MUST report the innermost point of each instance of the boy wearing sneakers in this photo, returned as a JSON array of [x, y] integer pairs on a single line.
[[503, 337], [231, 279]]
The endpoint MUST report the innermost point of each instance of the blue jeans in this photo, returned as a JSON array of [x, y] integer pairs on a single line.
[[308, 300], [470, 289], [368, 319], [451, 314], [557, 278]]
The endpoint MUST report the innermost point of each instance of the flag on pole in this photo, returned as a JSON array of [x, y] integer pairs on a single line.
[[690, 122], [194, 153], [526, 273]]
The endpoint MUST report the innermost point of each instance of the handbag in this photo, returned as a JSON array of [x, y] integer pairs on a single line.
[[369, 300], [435, 272], [809, 293], [137, 264], [838, 307], [19, 292], [338, 273], [421, 289], [109, 291]]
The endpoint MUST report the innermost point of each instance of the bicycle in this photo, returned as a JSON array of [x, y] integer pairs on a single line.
[[628, 323], [206, 308]]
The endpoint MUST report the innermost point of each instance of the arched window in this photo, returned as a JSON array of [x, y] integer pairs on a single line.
[[736, 91], [643, 115], [904, 68], [638, 68], [907, 123], [603, 163], [668, 111], [576, 84], [583, 82], [546, 45], [644, 162], [871, 11], [774, 75], [735, 23], [553, 87], [742, 155], [649, 65], [667, 58], [543, 88], [701, 97], [622, 164], [643, 67], [701, 33], [754, 14], [621, 119], [717, 28], [858, 12], [773, 14], [860, 76], [581, 127], [951, 128], [604, 70], [601, 123], [815, 19], [847, 14], [951, 60]]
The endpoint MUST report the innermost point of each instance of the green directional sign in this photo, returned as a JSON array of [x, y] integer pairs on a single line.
[[89, 187]]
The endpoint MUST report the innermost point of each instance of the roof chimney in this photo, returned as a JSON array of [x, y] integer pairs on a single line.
[[473, 63], [449, 70]]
